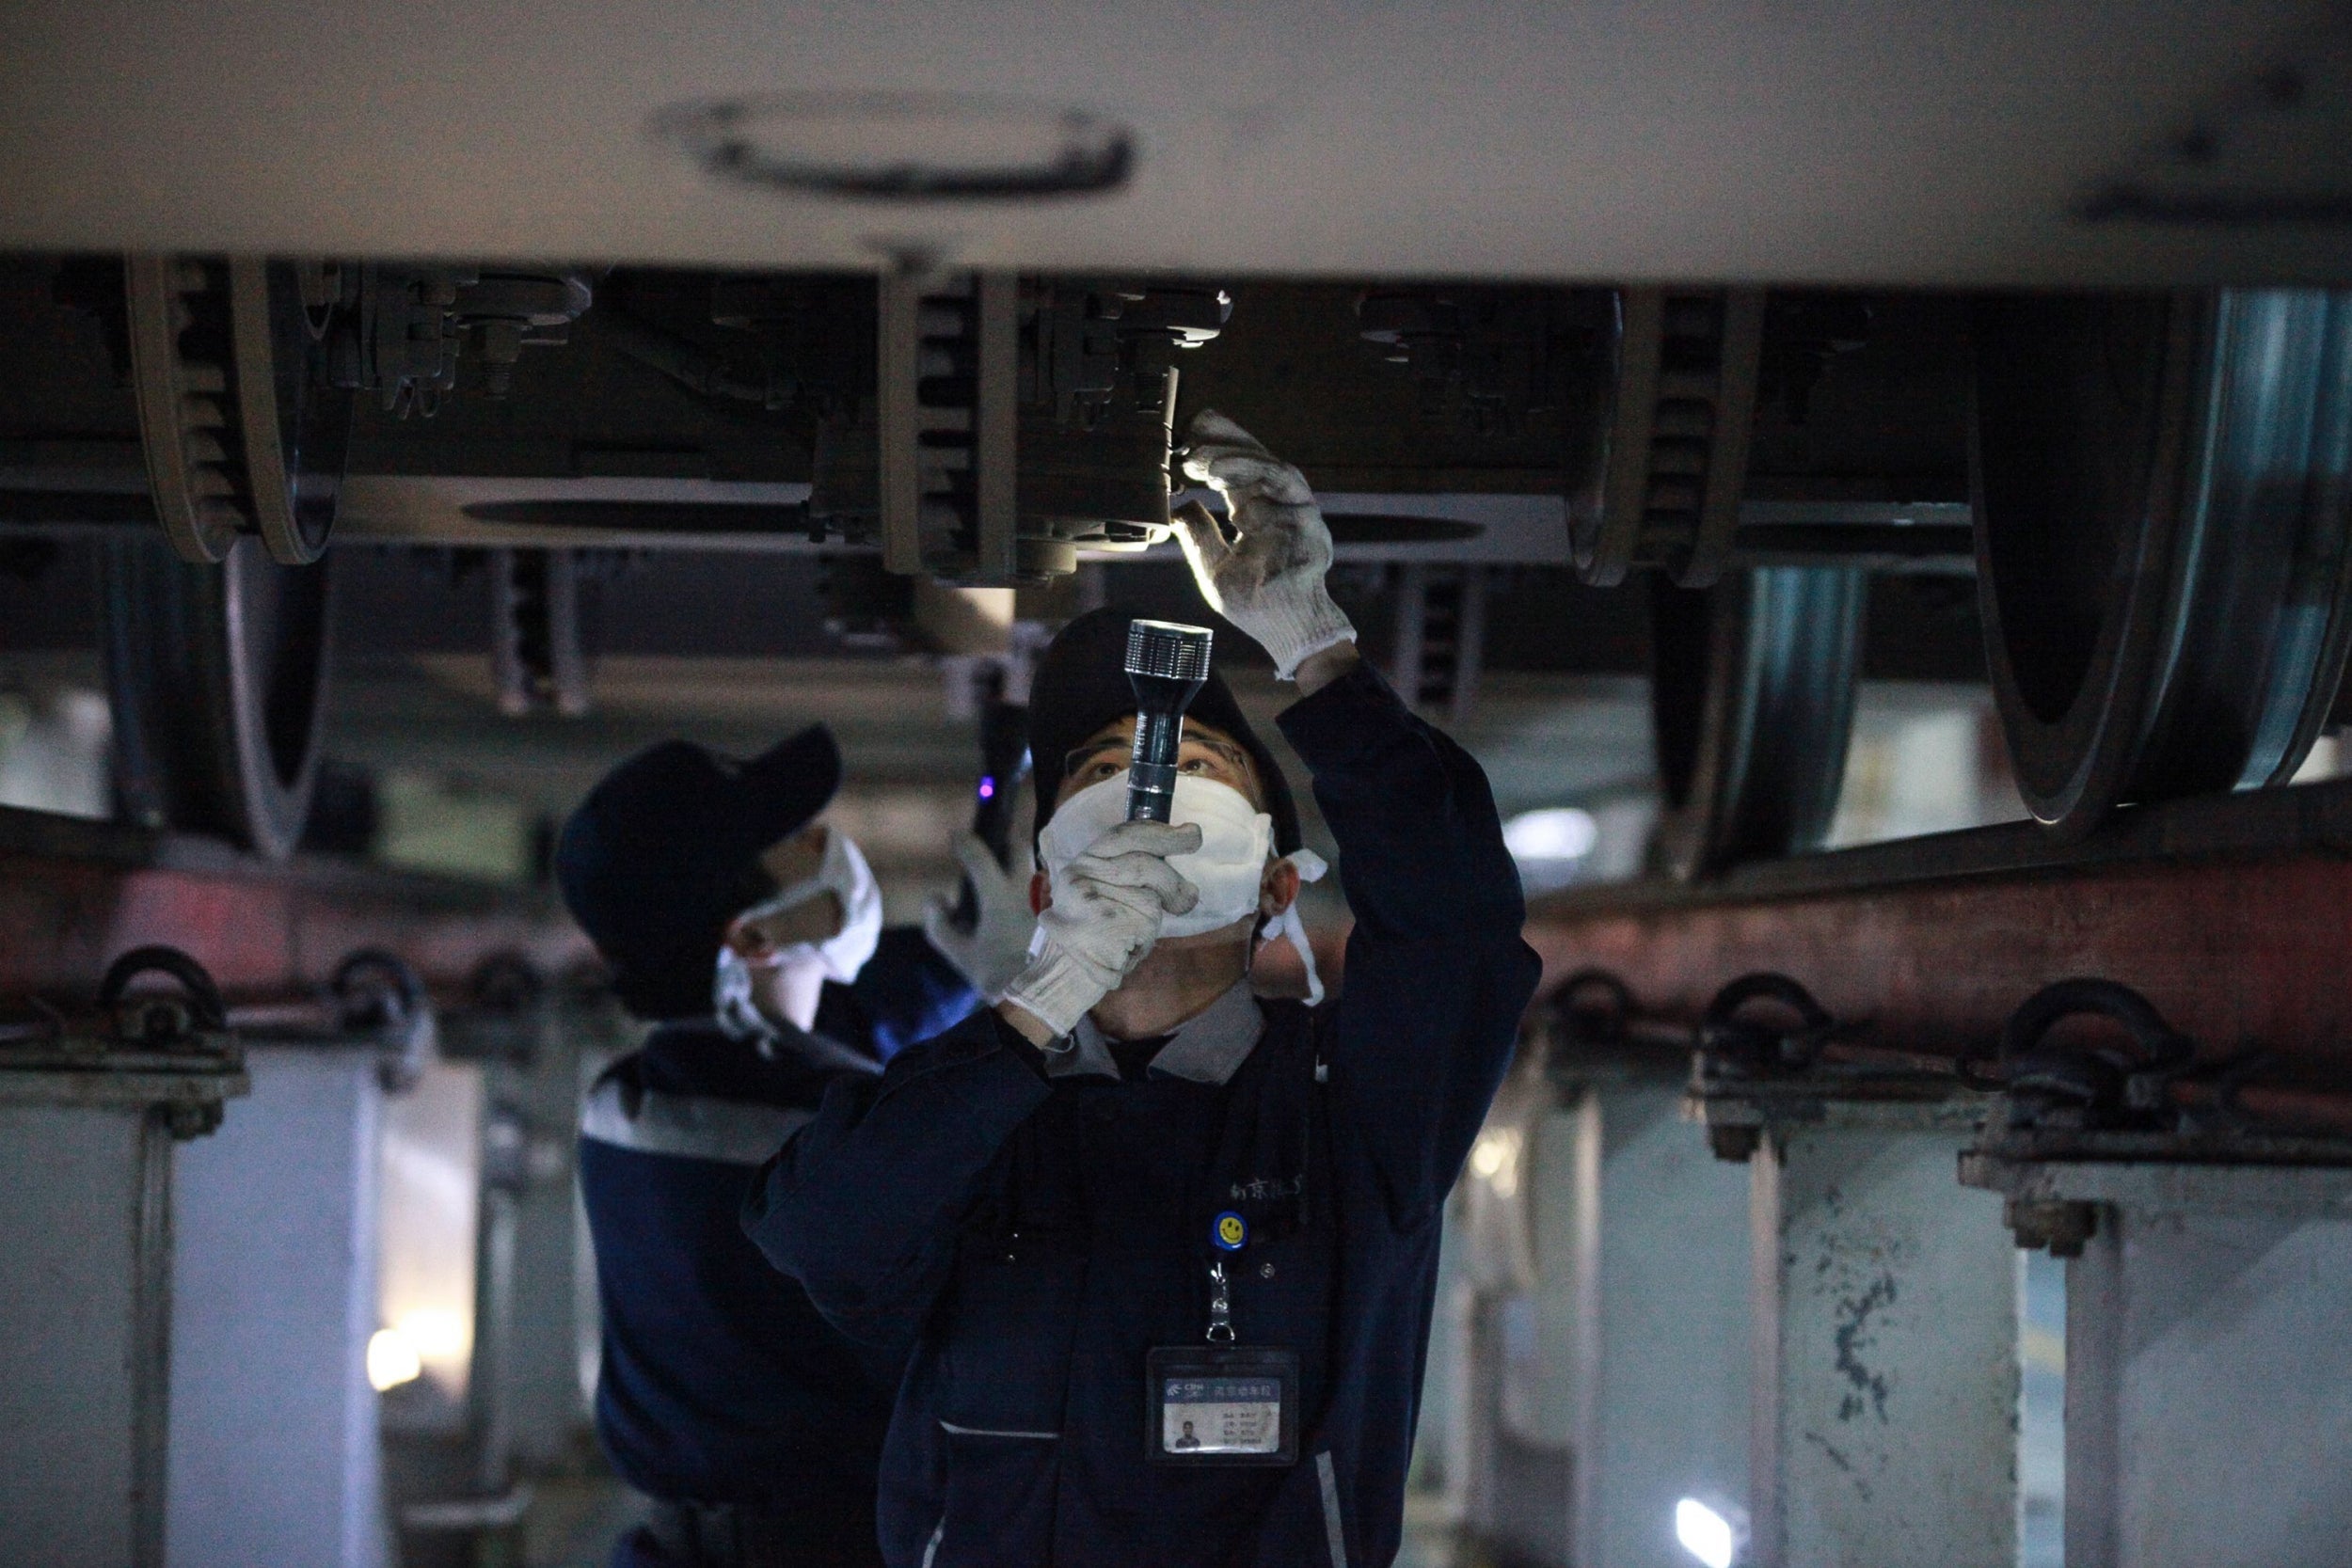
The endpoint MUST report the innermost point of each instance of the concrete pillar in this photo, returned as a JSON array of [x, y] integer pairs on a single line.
[[535, 1093], [2208, 1372], [1885, 1358], [1515, 1235], [1520, 1481], [274, 1453], [1608, 1249], [1661, 1324], [86, 1137]]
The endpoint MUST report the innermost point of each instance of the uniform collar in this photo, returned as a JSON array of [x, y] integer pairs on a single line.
[[1207, 1047]]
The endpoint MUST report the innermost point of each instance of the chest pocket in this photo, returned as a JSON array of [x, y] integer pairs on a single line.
[[1273, 1169], [1283, 1295], [1005, 1363]]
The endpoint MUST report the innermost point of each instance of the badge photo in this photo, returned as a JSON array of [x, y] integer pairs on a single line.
[[1222, 1404]]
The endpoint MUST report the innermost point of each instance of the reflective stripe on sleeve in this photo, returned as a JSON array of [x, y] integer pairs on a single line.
[[1000, 1432], [1332, 1528], [732, 1132]]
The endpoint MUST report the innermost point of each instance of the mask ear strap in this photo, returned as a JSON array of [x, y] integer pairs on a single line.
[[803, 891], [1311, 868], [731, 1002]]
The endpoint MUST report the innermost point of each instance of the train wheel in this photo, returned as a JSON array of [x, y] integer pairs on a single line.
[[1752, 697], [2162, 525], [218, 681], [243, 428], [1675, 455]]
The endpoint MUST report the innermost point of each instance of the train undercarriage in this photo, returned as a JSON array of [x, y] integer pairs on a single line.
[[2146, 488]]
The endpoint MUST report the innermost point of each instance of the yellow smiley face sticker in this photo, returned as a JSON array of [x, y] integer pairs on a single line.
[[1231, 1231]]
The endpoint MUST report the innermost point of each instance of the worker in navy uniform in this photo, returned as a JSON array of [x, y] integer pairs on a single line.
[[751, 936], [1133, 1164]]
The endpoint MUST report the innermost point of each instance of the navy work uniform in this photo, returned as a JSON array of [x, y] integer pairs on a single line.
[[755, 1426], [1050, 1231], [723, 1394]]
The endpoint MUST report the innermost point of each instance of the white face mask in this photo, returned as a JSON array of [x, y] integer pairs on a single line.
[[848, 878], [1229, 868]]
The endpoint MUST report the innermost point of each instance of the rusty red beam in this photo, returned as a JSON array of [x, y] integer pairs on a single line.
[[76, 894], [2232, 916]]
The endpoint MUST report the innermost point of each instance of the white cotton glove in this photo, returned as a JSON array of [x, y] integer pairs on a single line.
[[1105, 917], [1268, 580], [998, 947]]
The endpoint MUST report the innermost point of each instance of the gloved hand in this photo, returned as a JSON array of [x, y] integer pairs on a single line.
[[1105, 915], [1268, 580], [996, 948]]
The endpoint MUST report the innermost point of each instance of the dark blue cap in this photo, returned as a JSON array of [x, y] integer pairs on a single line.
[[664, 852], [1081, 684]]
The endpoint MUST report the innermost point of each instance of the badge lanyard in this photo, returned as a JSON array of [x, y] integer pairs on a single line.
[[1222, 1403]]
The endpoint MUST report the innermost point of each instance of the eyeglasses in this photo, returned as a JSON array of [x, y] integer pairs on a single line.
[[1080, 758]]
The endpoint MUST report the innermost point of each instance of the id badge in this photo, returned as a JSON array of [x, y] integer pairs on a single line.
[[1222, 1404]]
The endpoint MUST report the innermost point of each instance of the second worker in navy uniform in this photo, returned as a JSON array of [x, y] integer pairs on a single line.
[[750, 935], [1169, 1250]]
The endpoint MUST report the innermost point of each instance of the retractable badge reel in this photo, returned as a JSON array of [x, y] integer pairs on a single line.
[[1223, 1403]]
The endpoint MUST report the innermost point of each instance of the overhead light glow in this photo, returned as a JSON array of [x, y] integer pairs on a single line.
[[391, 1360], [1704, 1533], [1494, 1159], [1553, 834], [436, 1333], [434, 1140]]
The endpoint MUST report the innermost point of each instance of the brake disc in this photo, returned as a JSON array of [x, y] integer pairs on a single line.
[[243, 428]]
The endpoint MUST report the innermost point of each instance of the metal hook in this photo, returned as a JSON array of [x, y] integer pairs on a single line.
[[1220, 1306]]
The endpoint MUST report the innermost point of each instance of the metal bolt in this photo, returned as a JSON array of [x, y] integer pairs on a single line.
[[2063, 1228], [1735, 1144], [188, 1121]]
